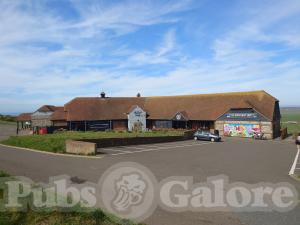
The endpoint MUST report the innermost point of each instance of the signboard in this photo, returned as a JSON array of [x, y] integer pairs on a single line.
[[241, 130], [138, 113], [242, 115]]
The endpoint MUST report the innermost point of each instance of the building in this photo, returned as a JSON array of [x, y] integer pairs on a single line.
[[58, 118], [24, 121], [232, 114], [42, 116]]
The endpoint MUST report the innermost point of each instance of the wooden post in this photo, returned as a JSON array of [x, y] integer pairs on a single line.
[[17, 127], [70, 126], [85, 125]]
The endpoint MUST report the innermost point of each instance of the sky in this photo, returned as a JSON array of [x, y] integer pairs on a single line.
[[54, 50]]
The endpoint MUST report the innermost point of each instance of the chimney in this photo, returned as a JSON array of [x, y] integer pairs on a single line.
[[138, 95], [102, 94]]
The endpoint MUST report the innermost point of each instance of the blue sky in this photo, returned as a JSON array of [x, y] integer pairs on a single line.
[[52, 51]]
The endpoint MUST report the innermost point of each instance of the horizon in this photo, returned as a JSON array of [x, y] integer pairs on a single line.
[[53, 51]]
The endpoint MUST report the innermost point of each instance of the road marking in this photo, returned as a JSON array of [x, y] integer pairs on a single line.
[[160, 148], [143, 147], [131, 147], [170, 145], [292, 171], [113, 150], [146, 146]]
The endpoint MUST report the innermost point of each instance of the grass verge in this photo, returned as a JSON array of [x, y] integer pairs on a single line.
[[76, 217], [3, 174], [56, 142], [60, 218], [287, 118], [8, 122]]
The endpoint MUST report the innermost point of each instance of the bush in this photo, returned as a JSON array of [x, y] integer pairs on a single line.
[[3, 174]]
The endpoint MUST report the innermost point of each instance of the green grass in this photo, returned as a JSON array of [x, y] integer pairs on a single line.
[[3, 174], [60, 218], [56, 142], [291, 116], [7, 118], [7, 122], [292, 128], [75, 216]]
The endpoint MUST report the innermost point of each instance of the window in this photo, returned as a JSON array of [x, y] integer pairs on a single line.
[[163, 124]]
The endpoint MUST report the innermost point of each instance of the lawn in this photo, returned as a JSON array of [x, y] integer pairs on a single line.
[[77, 217], [56, 142], [8, 122], [288, 116], [60, 218]]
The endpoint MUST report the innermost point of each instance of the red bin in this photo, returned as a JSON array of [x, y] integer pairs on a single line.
[[42, 131]]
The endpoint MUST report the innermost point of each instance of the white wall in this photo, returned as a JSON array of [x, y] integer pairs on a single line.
[[137, 115]]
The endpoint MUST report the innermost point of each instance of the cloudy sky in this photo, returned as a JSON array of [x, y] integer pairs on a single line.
[[54, 50]]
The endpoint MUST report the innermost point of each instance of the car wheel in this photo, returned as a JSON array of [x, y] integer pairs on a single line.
[[195, 138], [212, 140]]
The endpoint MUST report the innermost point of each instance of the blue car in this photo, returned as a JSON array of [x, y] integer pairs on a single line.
[[206, 136]]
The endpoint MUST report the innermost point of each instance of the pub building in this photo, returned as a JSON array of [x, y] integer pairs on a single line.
[[231, 114]]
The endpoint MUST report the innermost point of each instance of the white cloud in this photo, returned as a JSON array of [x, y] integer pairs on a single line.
[[160, 55], [90, 56]]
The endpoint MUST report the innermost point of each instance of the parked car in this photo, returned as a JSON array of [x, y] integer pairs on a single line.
[[206, 136], [298, 139]]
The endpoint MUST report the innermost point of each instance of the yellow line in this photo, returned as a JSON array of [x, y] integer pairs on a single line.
[[52, 153]]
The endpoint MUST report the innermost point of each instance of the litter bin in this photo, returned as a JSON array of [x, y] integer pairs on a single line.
[[42, 131]]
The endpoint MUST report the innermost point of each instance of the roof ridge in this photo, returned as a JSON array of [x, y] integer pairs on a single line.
[[215, 94], [183, 95]]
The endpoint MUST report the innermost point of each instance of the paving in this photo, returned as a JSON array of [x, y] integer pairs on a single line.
[[7, 130], [241, 160], [133, 149]]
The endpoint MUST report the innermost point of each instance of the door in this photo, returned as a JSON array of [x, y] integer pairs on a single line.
[[179, 124]]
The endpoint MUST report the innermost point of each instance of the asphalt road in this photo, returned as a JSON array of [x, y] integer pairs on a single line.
[[241, 159], [7, 130]]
